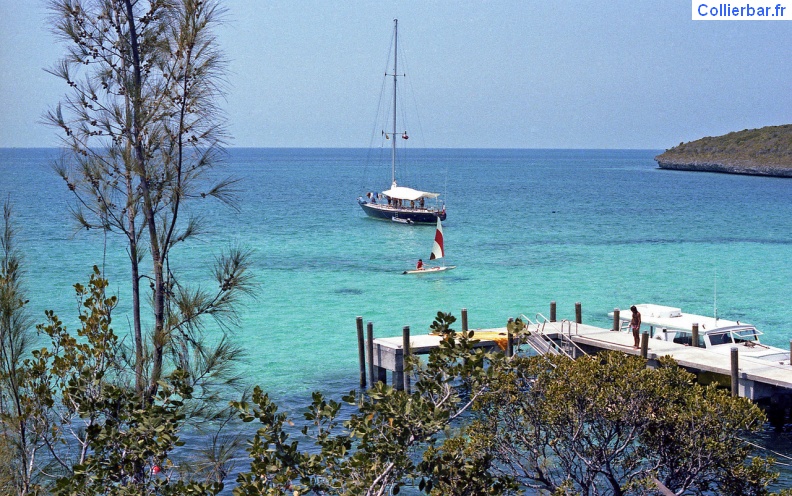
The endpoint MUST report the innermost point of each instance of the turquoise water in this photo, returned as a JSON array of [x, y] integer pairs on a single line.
[[525, 227]]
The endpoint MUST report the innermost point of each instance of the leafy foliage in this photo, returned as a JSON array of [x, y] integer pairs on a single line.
[[380, 446], [442, 324], [104, 438], [481, 423], [608, 425], [476, 423], [129, 449]]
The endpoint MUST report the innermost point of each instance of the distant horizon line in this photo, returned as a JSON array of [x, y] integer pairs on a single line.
[[367, 148]]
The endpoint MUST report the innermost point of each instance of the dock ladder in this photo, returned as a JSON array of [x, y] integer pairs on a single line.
[[560, 343]]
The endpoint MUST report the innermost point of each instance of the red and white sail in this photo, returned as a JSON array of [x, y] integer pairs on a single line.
[[437, 248]]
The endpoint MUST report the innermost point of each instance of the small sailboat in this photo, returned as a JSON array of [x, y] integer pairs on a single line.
[[438, 252], [401, 204]]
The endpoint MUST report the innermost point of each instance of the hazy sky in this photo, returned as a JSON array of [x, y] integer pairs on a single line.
[[486, 74]]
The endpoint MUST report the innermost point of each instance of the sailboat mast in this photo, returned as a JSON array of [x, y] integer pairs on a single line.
[[393, 134]]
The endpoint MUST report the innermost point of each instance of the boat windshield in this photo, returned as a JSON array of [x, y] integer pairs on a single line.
[[720, 338], [734, 335], [686, 338], [748, 334]]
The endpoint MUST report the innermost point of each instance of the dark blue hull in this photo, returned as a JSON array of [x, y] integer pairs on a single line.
[[402, 215]]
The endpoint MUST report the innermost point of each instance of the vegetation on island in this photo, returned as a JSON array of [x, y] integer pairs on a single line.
[[98, 412], [764, 151]]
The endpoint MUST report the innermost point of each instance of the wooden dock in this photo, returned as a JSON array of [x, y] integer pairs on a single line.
[[757, 379], [387, 354], [751, 378]]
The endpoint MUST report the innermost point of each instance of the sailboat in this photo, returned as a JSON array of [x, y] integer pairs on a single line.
[[401, 204], [438, 252]]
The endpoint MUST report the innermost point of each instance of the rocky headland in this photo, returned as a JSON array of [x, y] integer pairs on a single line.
[[758, 152]]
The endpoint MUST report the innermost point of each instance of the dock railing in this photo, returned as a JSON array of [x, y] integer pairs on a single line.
[[536, 337], [571, 348]]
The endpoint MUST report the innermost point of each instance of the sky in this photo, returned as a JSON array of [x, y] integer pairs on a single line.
[[485, 74]]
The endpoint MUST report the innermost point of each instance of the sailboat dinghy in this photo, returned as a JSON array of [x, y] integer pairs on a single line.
[[438, 252]]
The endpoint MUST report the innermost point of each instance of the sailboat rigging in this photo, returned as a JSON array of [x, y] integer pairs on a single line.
[[438, 252], [399, 203]]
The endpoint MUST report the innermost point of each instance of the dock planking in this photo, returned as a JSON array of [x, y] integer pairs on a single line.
[[387, 354], [756, 379]]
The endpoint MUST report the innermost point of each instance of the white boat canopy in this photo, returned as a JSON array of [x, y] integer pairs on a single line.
[[403, 193]]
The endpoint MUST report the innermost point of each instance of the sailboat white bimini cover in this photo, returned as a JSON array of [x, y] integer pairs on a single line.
[[409, 194]]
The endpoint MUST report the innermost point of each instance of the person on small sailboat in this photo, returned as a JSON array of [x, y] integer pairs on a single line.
[[437, 254]]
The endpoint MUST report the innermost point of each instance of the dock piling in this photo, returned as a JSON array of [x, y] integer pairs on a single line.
[[578, 313], [694, 331], [464, 320], [370, 350], [405, 355], [645, 345], [361, 351], [735, 378], [552, 311], [616, 325]]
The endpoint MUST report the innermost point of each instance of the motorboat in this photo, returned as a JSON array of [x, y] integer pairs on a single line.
[[715, 334]]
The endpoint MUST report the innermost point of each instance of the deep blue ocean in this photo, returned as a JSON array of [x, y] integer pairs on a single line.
[[605, 228]]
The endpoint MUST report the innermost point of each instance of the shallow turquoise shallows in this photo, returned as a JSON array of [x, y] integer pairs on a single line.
[[605, 228], [525, 227]]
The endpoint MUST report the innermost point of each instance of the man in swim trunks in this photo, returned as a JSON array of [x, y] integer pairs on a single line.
[[635, 325]]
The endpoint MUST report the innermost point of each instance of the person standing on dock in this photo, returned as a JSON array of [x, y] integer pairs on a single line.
[[635, 325]]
